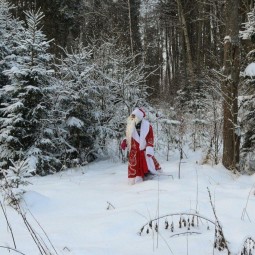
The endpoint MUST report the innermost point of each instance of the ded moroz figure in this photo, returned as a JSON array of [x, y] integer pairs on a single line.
[[140, 141]]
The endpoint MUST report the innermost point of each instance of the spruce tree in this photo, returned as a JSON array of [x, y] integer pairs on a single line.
[[25, 107], [10, 30]]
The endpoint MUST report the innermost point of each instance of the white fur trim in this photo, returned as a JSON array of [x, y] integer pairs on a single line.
[[151, 165], [138, 113], [145, 127], [131, 181], [136, 136], [138, 179], [150, 150]]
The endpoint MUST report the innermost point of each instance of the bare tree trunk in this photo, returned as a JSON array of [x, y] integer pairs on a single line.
[[130, 29], [186, 39], [168, 70], [230, 85], [199, 37]]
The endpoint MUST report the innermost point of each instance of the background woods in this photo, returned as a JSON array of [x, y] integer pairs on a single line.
[[180, 38], [192, 59]]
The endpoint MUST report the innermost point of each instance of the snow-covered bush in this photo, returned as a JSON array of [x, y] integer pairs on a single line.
[[10, 31], [17, 174], [66, 116], [73, 106], [14, 177], [120, 88], [192, 105], [166, 132]]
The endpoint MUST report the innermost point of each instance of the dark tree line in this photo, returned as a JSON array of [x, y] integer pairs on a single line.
[[69, 21], [180, 39]]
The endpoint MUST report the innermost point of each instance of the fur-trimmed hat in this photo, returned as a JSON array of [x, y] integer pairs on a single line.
[[139, 113]]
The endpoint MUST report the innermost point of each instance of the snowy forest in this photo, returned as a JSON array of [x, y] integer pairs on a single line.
[[72, 71], [70, 76]]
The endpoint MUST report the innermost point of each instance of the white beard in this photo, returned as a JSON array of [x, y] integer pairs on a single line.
[[131, 122]]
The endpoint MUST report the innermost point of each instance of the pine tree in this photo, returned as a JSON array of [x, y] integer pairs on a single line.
[[64, 20], [25, 107], [10, 28]]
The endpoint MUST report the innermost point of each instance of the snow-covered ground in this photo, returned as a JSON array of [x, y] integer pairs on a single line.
[[93, 211]]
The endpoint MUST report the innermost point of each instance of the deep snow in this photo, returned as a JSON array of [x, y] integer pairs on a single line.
[[93, 211]]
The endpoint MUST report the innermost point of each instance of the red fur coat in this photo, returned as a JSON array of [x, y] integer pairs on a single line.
[[141, 154]]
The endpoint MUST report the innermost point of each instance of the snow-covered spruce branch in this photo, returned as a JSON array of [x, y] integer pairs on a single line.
[[13, 177]]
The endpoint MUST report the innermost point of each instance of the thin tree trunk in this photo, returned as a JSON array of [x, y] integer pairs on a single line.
[[130, 29], [199, 37], [186, 39], [168, 70]]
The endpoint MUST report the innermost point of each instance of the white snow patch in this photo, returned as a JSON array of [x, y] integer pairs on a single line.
[[250, 70]]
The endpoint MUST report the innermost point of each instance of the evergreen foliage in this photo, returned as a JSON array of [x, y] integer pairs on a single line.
[[66, 116], [24, 109], [10, 31], [247, 102]]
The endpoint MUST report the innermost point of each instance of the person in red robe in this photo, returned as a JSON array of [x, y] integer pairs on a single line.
[[140, 141]]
